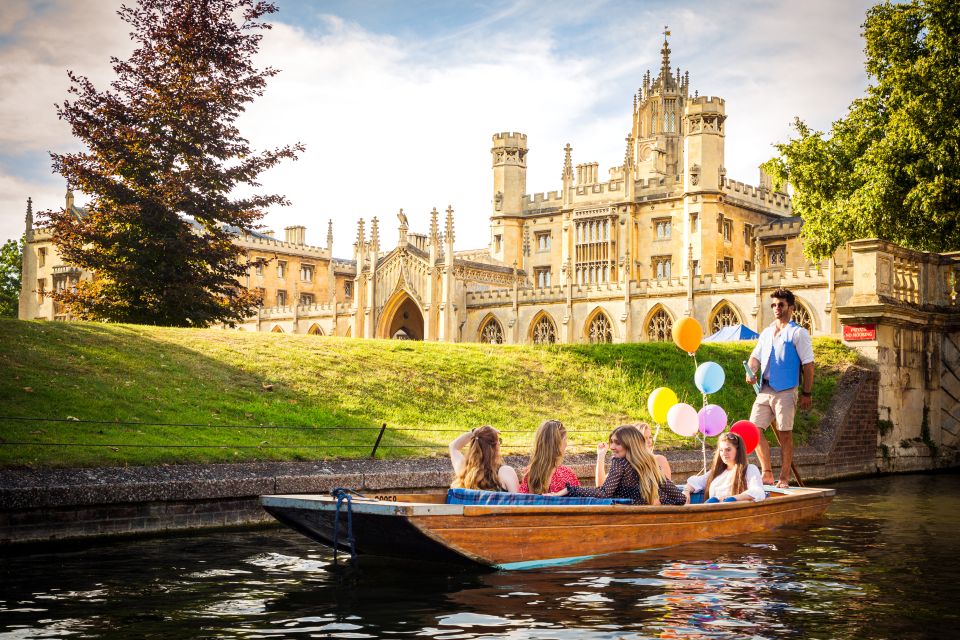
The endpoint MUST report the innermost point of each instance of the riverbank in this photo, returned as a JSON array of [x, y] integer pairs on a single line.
[[38, 505], [96, 395]]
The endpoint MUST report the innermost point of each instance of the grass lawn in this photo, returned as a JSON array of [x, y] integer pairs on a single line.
[[95, 393]]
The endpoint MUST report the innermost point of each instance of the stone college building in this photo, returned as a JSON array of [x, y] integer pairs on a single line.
[[665, 235]]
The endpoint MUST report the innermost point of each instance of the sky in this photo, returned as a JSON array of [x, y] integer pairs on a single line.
[[396, 100]]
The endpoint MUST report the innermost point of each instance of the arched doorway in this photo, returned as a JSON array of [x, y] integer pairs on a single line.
[[401, 319]]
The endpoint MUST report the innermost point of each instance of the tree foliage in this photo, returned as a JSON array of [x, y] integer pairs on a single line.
[[11, 265], [890, 169], [162, 149]]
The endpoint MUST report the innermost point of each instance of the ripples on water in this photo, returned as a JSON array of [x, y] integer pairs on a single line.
[[883, 563]]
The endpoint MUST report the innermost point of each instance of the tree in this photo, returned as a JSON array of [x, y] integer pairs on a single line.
[[891, 168], [11, 265], [163, 149]]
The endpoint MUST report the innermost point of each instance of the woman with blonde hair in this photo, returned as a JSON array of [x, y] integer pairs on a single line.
[[730, 478], [600, 473], [634, 473], [482, 467], [545, 472]]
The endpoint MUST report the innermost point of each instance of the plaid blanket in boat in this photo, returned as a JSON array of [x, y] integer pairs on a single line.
[[473, 496]]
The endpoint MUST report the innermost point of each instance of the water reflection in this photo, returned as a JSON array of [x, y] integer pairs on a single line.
[[881, 564]]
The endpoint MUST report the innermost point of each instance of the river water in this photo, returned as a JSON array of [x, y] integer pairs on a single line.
[[883, 563]]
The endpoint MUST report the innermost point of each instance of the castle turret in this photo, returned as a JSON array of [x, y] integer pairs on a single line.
[[703, 119], [509, 185]]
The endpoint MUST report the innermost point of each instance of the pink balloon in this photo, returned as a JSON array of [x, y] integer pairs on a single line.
[[682, 419], [712, 419]]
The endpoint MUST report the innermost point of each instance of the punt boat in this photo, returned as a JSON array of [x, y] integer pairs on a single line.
[[424, 527]]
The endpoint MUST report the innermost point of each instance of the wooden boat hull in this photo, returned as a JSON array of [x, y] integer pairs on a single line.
[[419, 527]]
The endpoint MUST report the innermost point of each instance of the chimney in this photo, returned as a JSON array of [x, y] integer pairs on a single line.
[[296, 234]]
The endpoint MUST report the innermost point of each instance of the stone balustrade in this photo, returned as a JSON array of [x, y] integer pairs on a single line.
[[887, 273]]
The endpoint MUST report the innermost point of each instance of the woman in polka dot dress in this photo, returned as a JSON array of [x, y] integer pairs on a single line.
[[634, 473]]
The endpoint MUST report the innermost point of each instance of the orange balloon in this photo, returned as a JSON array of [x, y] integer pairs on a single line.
[[687, 334]]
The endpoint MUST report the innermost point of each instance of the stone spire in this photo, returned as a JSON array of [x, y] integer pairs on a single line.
[[448, 237], [567, 164], [28, 219], [628, 154], [375, 234], [360, 245], [434, 226], [330, 236], [665, 56], [69, 199]]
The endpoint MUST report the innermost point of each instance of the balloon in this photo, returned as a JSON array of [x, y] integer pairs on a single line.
[[682, 419], [709, 377], [687, 334], [660, 402], [748, 432], [712, 420]]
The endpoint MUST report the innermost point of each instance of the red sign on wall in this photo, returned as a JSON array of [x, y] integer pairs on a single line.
[[855, 332]]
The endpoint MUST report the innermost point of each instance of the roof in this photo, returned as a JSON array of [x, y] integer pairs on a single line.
[[732, 334]]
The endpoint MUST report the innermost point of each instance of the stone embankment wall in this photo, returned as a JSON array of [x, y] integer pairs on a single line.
[[42, 506]]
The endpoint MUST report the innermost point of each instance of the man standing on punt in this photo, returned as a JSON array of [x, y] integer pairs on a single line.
[[783, 352]]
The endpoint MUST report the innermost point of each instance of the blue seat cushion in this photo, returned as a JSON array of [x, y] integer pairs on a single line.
[[474, 496]]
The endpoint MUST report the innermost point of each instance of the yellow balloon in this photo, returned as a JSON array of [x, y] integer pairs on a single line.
[[687, 334], [659, 403]]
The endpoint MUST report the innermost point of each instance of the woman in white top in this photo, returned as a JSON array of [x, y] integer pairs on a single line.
[[730, 478]]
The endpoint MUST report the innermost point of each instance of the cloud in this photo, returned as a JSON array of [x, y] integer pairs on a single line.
[[385, 128], [404, 119]]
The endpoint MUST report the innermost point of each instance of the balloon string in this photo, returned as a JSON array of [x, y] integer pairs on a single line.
[[703, 450], [656, 434]]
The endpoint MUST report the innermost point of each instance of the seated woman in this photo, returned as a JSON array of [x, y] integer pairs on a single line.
[[546, 473], [661, 460], [634, 473], [730, 478], [482, 467]]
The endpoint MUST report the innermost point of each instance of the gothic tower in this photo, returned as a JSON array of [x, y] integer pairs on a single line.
[[509, 186], [657, 121]]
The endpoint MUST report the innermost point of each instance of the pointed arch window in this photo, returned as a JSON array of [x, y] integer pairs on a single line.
[[600, 329], [544, 331], [660, 327], [801, 315], [491, 332], [725, 317]]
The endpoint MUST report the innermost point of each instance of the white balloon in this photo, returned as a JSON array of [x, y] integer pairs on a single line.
[[683, 420]]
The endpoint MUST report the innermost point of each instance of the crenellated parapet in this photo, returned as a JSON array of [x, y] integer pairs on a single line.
[[747, 194], [264, 243], [704, 114], [779, 229], [510, 140]]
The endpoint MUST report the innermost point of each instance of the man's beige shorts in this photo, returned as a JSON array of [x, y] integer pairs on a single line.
[[773, 405]]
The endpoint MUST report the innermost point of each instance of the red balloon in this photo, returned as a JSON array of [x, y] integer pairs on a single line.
[[749, 432]]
